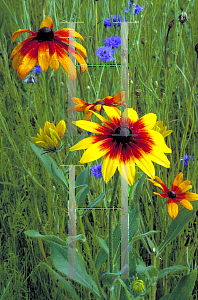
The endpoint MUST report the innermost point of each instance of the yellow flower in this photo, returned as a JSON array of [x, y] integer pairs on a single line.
[[138, 287], [50, 138], [159, 128]]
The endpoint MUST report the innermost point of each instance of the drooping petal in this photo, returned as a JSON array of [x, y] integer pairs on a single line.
[[172, 208], [159, 158], [88, 116], [161, 195], [144, 163], [186, 204], [18, 32], [54, 64], [66, 62], [43, 56], [118, 99], [177, 181], [95, 151], [19, 47], [47, 23], [68, 32], [127, 170], [156, 184], [29, 61], [166, 190], [82, 51]]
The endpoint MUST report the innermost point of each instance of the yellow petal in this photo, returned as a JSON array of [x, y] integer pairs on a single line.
[[160, 158], [172, 209], [109, 167], [90, 126], [54, 64], [177, 181], [190, 196], [47, 23], [43, 56], [127, 171], [130, 113], [159, 141], [145, 164], [183, 187], [148, 120], [61, 127], [112, 113], [186, 204], [94, 152], [84, 144], [18, 32]]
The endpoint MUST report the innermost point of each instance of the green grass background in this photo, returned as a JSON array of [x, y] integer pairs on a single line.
[[27, 197]]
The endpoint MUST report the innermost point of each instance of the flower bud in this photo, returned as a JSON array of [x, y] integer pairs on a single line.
[[138, 287], [138, 92], [171, 24], [156, 84]]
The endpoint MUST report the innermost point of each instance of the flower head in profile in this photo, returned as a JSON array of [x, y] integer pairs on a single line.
[[88, 108], [138, 287], [36, 70], [124, 142], [126, 10], [50, 138], [138, 9], [186, 159], [47, 48], [107, 22], [113, 42], [96, 170], [162, 129], [104, 54], [176, 195], [118, 22]]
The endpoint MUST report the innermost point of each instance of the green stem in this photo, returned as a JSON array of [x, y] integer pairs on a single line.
[[60, 161], [103, 296], [153, 287], [110, 222], [47, 86]]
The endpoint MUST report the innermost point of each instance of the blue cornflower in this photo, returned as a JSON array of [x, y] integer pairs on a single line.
[[89, 133], [107, 22], [96, 170], [104, 54], [186, 159], [119, 20], [37, 69], [138, 9], [113, 42], [30, 79], [126, 10]]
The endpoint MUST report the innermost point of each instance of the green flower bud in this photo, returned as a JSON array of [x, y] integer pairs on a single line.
[[138, 287]]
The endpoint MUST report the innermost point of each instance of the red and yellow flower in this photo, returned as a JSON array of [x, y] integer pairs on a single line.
[[47, 48], [50, 138], [176, 195], [88, 108], [125, 141]]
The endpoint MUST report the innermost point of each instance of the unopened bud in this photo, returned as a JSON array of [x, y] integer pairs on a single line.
[[155, 84], [171, 24], [138, 287], [138, 92]]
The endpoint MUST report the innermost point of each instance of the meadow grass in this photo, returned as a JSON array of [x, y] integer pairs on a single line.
[[32, 199]]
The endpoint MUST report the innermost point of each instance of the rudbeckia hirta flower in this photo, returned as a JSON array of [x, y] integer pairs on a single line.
[[88, 108], [47, 48], [50, 138], [176, 195], [125, 141]]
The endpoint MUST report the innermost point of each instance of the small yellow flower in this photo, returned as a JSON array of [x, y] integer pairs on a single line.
[[50, 138], [159, 128]]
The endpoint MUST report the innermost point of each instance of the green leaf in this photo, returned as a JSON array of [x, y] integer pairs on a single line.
[[83, 179], [93, 204], [59, 257], [184, 288], [55, 171], [140, 236], [65, 284], [103, 244], [151, 273], [49, 238], [177, 225], [166, 271]]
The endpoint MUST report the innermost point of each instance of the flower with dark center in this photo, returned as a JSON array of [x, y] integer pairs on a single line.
[[88, 108], [48, 48], [176, 195], [124, 141]]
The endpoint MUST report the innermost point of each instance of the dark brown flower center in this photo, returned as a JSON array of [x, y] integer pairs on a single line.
[[45, 34], [122, 134], [99, 102], [172, 194]]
